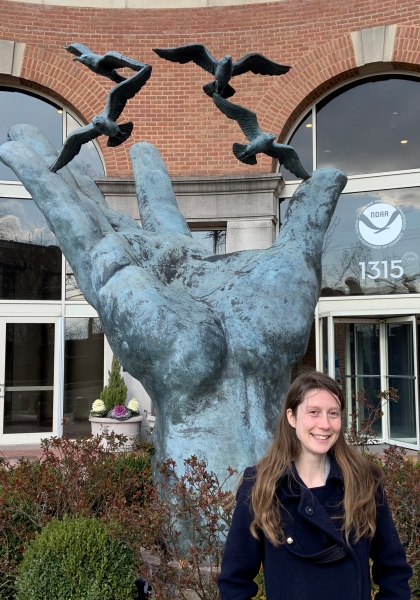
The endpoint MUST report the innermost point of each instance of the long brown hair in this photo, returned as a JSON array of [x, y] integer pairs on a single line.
[[361, 478]]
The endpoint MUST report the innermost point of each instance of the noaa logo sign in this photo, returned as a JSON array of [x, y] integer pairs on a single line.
[[380, 224]]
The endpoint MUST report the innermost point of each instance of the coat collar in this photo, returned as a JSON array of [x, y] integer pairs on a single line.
[[291, 473]]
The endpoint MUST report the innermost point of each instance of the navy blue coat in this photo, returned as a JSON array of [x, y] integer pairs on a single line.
[[288, 570]]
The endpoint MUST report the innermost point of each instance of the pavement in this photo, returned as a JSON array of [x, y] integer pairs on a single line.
[[13, 452]]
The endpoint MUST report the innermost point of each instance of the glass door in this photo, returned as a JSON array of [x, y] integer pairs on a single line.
[[375, 355], [29, 366], [400, 344]]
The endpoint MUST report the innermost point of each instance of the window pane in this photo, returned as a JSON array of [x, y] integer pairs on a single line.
[[88, 157], [83, 372], [30, 260], [72, 287], [401, 377], [371, 246], [360, 128], [22, 107], [29, 354], [29, 378], [213, 240], [301, 141]]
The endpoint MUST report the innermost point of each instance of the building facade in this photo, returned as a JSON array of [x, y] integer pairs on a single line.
[[350, 101]]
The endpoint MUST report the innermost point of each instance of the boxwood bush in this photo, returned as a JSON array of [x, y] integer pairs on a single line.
[[76, 559]]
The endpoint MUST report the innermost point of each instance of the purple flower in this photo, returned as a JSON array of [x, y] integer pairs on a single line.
[[118, 412]]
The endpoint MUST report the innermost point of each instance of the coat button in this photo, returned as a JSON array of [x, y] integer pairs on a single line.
[[309, 510], [290, 540]]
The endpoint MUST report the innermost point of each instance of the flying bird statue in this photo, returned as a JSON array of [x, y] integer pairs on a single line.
[[105, 123], [259, 142], [105, 65], [223, 69]]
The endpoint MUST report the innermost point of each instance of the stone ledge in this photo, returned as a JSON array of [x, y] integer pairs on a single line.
[[267, 182], [149, 4]]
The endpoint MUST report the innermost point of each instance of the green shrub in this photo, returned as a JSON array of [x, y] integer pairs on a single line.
[[74, 478], [76, 559], [115, 393]]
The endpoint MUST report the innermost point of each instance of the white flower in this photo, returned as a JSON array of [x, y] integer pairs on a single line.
[[133, 405], [98, 406]]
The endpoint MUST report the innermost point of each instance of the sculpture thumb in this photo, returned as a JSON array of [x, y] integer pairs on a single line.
[[309, 213]]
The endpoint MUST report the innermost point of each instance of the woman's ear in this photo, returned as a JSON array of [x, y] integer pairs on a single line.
[[291, 417]]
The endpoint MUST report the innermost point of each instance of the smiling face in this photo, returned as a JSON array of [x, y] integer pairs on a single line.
[[317, 422]]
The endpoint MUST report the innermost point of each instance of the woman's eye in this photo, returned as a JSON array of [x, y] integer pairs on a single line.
[[334, 414]]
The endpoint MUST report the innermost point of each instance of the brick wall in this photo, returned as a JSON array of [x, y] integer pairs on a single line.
[[172, 112]]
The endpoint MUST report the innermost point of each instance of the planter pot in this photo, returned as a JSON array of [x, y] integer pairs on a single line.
[[130, 428], [151, 419]]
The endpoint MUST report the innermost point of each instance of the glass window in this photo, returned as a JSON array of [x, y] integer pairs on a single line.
[[29, 378], [17, 106], [30, 260], [301, 141], [214, 240], [370, 126], [401, 377], [88, 157], [83, 372], [371, 246], [72, 287], [20, 106]]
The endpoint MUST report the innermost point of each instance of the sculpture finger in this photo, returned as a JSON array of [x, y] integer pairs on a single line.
[[158, 207], [77, 223], [309, 213], [74, 175]]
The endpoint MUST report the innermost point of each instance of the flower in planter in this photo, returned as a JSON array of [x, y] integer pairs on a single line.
[[98, 409], [133, 405], [120, 412]]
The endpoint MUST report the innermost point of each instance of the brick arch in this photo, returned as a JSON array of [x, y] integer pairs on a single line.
[[77, 88], [322, 70], [311, 76]]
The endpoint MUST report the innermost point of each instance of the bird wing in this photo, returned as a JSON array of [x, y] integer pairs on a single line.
[[258, 64], [73, 144], [78, 49], [114, 60], [247, 120], [118, 96], [191, 52], [288, 157]]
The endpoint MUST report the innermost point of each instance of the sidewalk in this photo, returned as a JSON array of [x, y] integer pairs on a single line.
[[14, 452]]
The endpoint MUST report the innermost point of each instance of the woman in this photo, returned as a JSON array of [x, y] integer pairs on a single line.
[[313, 511]]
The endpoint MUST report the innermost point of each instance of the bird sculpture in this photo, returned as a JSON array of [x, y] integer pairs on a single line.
[[223, 69], [105, 123], [105, 65], [259, 142]]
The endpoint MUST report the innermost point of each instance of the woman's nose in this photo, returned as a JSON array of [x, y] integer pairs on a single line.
[[324, 422]]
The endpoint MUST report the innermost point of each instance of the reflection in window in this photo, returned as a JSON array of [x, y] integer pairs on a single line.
[[371, 246], [371, 126], [401, 377], [83, 372], [88, 157], [72, 287], [30, 260], [18, 106], [213, 240], [29, 378], [301, 141]]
